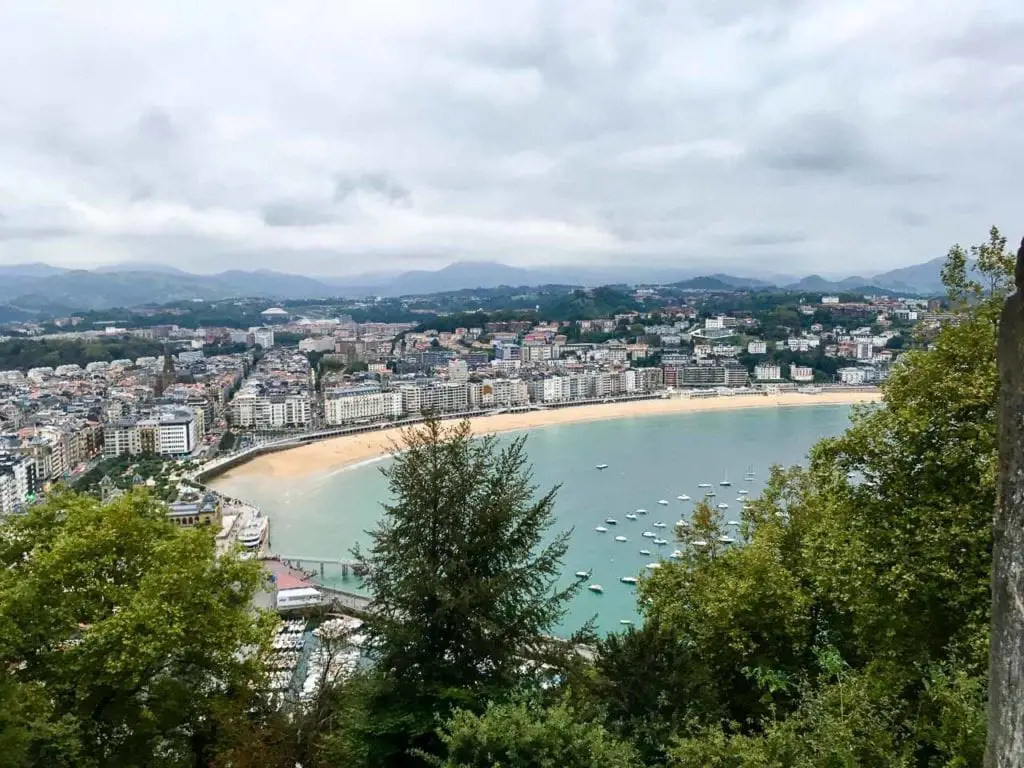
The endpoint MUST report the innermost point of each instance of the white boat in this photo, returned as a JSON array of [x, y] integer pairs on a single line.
[[703, 485], [723, 505], [621, 538], [625, 621], [641, 511], [630, 516], [659, 524], [595, 588], [611, 521], [602, 466], [733, 522], [682, 523], [628, 579], [726, 482], [663, 502], [645, 551], [254, 534], [709, 495], [727, 539], [700, 543], [741, 499], [653, 566], [601, 529], [676, 554], [648, 534], [582, 574], [660, 542], [683, 497], [743, 492]]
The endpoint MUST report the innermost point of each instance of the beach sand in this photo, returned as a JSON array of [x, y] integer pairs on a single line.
[[339, 452]]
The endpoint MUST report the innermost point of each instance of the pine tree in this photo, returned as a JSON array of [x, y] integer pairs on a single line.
[[464, 578]]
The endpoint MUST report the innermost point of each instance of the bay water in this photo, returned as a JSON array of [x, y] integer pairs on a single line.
[[650, 459]]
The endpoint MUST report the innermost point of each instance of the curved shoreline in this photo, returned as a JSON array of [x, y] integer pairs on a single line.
[[343, 452]]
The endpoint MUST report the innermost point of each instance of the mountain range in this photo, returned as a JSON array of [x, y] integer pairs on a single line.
[[36, 286]]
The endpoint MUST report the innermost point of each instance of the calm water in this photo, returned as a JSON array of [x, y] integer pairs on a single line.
[[649, 458]]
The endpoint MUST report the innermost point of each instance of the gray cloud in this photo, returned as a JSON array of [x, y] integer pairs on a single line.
[[343, 137]]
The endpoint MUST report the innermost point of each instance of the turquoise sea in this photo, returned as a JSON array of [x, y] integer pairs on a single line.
[[650, 458]]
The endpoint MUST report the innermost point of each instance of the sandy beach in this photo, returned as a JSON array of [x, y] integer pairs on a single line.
[[339, 452]]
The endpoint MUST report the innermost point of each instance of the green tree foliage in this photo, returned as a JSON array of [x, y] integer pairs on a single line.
[[522, 735], [464, 583], [120, 636], [851, 627], [227, 441], [22, 354]]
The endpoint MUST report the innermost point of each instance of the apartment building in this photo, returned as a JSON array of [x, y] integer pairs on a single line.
[[169, 432], [361, 404], [253, 410], [768, 372], [17, 483], [801, 373]]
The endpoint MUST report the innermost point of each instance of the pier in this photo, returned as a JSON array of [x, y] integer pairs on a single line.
[[297, 561]]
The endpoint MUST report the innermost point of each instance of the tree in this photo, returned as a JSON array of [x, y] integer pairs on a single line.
[[524, 735], [139, 642], [463, 583], [851, 627]]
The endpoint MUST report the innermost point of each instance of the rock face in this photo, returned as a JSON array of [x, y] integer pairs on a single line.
[[1006, 662]]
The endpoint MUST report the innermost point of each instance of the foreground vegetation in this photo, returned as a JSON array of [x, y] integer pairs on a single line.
[[850, 630]]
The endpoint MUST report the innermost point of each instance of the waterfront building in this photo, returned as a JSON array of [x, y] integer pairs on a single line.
[[767, 372], [757, 348], [361, 404], [801, 373]]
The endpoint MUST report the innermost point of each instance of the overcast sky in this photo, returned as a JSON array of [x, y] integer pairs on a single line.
[[340, 137]]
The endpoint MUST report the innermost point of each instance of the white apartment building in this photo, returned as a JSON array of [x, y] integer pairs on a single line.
[[767, 372], [536, 353], [121, 437], [829, 299], [263, 337], [434, 398], [362, 407], [17, 476], [802, 343], [865, 349], [316, 344], [458, 371], [250, 410], [757, 348], [853, 375], [801, 373], [175, 433]]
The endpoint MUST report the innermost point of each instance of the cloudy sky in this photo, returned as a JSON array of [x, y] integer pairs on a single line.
[[341, 137]]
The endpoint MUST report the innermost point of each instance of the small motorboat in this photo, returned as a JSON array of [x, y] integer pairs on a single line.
[[602, 466], [683, 497], [743, 492], [649, 534], [659, 524], [700, 543], [663, 502], [703, 485], [660, 542], [709, 495], [621, 538], [653, 566], [595, 588], [682, 523], [625, 621], [645, 552], [611, 521], [723, 505], [582, 574], [733, 522], [601, 529], [727, 539], [630, 516], [628, 579], [741, 499], [676, 554], [641, 511]]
